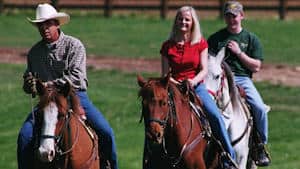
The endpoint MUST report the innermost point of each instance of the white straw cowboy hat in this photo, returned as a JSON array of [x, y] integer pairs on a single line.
[[46, 12]]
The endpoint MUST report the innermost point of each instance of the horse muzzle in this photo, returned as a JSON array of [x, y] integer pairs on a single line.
[[46, 155], [46, 151], [155, 133]]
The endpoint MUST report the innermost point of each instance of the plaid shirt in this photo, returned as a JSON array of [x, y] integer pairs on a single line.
[[64, 60]]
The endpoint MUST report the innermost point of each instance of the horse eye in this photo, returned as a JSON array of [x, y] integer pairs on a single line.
[[216, 77], [162, 103], [144, 102]]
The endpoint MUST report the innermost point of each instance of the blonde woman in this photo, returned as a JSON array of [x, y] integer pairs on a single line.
[[185, 54]]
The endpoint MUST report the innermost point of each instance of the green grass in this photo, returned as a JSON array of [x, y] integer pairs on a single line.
[[141, 37], [115, 93]]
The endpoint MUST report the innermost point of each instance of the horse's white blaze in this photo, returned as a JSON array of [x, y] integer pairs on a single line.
[[46, 149]]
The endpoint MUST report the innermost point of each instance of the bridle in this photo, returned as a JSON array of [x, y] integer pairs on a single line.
[[66, 117], [218, 95], [171, 115]]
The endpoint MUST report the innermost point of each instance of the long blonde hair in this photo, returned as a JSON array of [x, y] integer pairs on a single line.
[[196, 31]]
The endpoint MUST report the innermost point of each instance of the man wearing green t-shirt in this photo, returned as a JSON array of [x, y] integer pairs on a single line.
[[244, 56]]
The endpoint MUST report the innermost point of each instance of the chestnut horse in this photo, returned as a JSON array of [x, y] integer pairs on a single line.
[[63, 140], [174, 134]]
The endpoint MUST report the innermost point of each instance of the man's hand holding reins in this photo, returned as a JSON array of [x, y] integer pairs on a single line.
[[29, 85]]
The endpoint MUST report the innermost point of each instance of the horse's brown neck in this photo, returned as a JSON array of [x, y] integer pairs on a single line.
[[186, 121]]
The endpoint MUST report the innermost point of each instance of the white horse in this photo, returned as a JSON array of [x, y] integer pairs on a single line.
[[238, 122]]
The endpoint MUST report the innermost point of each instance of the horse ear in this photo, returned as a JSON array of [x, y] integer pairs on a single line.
[[66, 89], [221, 54], [141, 81]]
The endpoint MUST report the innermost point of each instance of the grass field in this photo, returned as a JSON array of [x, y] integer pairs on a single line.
[[115, 93], [140, 37]]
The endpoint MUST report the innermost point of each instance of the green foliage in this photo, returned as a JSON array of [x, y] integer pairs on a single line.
[[141, 37], [115, 94]]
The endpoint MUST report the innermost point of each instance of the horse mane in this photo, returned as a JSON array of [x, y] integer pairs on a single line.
[[233, 92], [75, 102], [46, 97]]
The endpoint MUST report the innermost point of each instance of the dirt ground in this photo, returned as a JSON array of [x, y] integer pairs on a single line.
[[275, 74]]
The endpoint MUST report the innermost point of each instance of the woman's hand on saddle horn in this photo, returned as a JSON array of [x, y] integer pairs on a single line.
[[192, 82], [174, 81]]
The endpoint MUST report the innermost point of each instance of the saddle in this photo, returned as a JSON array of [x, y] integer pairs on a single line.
[[241, 91], [196, 105], [256, 146]]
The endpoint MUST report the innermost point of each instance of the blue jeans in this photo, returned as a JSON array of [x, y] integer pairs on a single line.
[[215, 118], [258, 107], [96, 119]]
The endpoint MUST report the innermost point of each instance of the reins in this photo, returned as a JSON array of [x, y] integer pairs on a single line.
[[186, 147], [57, 138], [218, 95]]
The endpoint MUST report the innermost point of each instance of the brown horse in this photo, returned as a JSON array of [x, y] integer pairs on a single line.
[[63, 140], [174, 134]]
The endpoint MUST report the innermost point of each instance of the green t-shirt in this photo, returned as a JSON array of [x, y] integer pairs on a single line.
[[248, 42]]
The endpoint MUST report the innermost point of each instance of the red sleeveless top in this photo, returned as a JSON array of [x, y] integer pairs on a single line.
[[184, 60]]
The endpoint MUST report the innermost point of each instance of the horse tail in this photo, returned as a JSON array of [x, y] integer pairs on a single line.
[[232, 86]]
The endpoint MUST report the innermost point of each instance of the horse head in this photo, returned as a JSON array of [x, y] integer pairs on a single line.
[[52, 110], [219, 80], [170, 117], [215, 74], [155, 108]]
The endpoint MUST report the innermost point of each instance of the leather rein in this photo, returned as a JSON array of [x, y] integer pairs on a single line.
[[172, 116], [218, 95], [66, 127]]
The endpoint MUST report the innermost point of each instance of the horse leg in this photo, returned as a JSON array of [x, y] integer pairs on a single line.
[[251, 164], [194, 159], [242, 147], [152, 157], [212, 155], [242, 150]]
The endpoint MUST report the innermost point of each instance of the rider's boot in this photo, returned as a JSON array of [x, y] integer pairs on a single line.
[[260, 155]]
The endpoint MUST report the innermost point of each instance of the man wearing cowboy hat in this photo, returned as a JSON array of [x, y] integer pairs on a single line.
[[244, 56], [58, 58]]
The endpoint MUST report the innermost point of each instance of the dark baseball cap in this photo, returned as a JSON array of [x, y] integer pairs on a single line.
[[233, 7]]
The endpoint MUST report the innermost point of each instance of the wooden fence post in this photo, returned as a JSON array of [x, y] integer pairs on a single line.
[[1, 6], [221, 8], [108, 8], [163, 8], [282, 9]]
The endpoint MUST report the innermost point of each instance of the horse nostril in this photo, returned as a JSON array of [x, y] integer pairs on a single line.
[[51, 155]]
